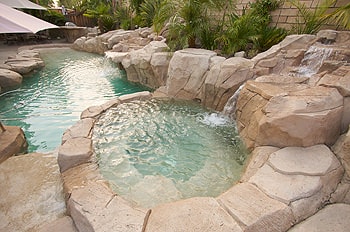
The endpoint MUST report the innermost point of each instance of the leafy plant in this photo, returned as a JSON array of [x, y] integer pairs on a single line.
[[124, 17], [251, 32], [341, 16], [309, 21], [105, 18]]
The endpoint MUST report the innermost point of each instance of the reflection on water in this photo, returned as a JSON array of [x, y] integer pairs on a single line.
[[51, 100], [159, 151]]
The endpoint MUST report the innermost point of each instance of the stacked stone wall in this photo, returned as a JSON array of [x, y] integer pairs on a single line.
[[286, 15]]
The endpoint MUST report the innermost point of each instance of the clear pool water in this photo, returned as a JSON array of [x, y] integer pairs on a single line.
[[156, 151], [51, 100]]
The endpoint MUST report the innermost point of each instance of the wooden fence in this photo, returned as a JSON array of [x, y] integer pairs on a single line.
[[81, 20]]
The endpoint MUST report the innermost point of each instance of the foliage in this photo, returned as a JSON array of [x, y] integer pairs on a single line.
[[251, 31], [124, 17], [309, 21], [135, 5], [104, 15], [156, 13], [341, 16], [191, 21], [49, 16], [45, 3]]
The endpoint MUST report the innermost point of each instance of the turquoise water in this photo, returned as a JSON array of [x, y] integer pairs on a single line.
[[156, 151], [52, 99]]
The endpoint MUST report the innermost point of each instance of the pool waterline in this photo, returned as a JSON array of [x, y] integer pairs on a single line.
[[52, 99]]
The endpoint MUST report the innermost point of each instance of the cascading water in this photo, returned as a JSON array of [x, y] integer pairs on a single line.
[[230, 107], [311, 63], [313, 59]]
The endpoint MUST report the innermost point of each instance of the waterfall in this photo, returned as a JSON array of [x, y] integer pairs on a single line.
[[230, 107], [313, 60]]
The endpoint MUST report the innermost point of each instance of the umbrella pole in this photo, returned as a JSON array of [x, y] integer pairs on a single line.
[[2, 127]]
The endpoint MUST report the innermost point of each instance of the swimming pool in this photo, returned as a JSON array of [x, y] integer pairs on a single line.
[[52, 99]]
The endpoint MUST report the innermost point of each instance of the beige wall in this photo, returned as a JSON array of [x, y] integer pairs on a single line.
[[286, 15]]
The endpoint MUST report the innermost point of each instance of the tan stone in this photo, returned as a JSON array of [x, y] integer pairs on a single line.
[[73, 152], [186, 71], [92, 112], [96, 208], [316, 160], [31, 192], [285, 188], [305, 207], [342, 149], [81, 129], [332, 218], [341, 83], [223, 80], [79, 176], [195, 214], [65, 224], [257, 159], [145, 95], [9, 79], [12, 142], [255, 210], [299, 117]]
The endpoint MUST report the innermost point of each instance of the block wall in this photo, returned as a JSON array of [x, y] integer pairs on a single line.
[[286, 15]]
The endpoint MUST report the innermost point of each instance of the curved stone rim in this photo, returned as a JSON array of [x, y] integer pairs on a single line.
[[267, 208]]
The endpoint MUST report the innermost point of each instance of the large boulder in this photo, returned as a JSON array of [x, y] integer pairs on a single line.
[[25, 62], [9, 79], [12, 142], [281, 115], [147, 65], [186, 73], [223, 80]]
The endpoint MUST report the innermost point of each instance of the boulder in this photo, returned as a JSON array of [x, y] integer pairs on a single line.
[[12, 142], [140, 68], [223, 80], [186, 73], [73, 152], [9, 79], [281, 115], [24, 65]]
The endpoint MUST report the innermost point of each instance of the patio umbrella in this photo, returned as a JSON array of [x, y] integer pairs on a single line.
[[14, 21], [22, 4]]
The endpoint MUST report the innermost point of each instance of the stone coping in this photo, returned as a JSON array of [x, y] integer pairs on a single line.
[[279, 188]]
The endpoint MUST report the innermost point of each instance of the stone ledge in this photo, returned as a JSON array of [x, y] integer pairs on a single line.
[[73, 152], [255, 210], [184, 216]]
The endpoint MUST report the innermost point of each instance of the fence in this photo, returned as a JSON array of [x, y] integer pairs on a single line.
[[81, 20]]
